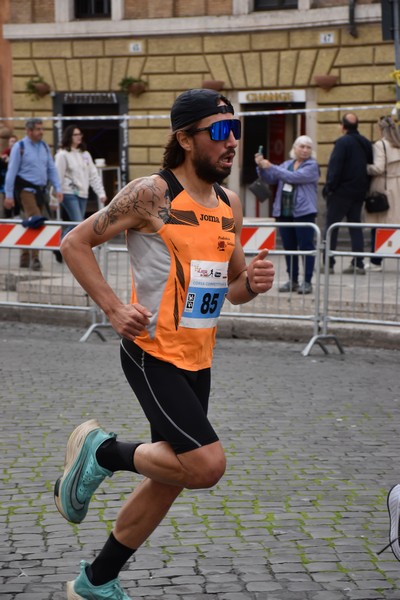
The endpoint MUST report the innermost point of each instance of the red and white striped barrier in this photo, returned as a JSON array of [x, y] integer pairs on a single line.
[[387, 241], [49, 236], [46, 236], [258, 238]]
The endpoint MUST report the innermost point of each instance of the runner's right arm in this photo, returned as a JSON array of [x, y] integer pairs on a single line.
[[141, 205]]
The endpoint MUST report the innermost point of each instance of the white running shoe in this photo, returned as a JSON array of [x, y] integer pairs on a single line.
[[393, 504], [373, 268]]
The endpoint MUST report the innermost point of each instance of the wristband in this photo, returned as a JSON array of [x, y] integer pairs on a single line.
[[248, 288]]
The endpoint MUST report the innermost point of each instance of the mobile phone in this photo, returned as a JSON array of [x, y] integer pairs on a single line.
[[260, 149]]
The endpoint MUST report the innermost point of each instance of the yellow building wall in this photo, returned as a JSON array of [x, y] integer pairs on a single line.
[[244, 61]]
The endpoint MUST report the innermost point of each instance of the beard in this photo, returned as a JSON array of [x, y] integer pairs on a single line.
[[209, 172]]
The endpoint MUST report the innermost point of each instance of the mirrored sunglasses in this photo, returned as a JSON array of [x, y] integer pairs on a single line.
[[220, 130]]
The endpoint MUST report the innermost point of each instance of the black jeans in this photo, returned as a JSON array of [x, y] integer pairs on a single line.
[[298, 238], [374, 260], [339, 208]]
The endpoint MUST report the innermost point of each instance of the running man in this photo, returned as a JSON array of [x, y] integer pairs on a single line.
[[183, 238]]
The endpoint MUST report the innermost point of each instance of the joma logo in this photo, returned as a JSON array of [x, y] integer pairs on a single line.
[[209, 218]]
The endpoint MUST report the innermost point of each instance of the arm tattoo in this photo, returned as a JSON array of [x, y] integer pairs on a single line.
[[141, 197], [164, 212]]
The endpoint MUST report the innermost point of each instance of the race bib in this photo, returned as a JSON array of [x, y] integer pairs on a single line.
[[208, 287]]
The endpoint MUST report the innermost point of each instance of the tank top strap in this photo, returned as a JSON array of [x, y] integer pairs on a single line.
[[175, 188], [221, 193]]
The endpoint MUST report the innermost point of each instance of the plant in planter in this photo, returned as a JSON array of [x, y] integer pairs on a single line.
[[213, 84], [131, 85], [326, 82], [37, 87]]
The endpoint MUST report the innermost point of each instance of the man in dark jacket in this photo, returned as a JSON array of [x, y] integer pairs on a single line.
[[346, 186]]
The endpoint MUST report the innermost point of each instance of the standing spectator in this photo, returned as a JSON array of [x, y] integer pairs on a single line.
[[346, 186], [183, 237], [5, 157], [11, 141], [77, 172], [31, 167], [295, 202], [385, 172]]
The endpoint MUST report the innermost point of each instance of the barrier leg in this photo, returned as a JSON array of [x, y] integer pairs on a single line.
[[319, 339], [94, 329]]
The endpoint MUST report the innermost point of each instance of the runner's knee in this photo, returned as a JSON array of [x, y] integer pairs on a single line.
[[207, 474]]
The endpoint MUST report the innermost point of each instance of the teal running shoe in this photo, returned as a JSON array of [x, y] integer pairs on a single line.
[[82, 589], [82, 473]]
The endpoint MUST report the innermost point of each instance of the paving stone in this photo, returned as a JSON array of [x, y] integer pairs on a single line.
[[299, 514]]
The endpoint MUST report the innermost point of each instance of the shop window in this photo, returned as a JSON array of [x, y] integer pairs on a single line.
[[92, 9], [274, 4]]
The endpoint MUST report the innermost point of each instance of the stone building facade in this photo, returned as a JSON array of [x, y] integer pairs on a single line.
[[267, 59]]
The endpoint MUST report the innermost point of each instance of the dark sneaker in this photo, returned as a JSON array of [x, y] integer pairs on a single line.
[[58, 256], [36, 265], [305, 288], [82, 473], [352, 270], [289, 286], [82, 589], [24, 261]]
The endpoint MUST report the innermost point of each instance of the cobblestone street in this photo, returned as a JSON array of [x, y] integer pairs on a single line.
[[312, 446]]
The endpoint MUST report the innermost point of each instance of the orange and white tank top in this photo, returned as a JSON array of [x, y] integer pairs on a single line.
[[180, 274]]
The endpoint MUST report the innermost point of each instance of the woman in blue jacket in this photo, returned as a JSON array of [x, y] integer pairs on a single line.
[[295, 202]]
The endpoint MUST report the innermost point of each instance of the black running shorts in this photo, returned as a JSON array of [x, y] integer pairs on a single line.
[[175, 401]]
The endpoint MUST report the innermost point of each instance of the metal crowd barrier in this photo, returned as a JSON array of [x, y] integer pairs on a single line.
[[353, 299], [257, 234], [116, 270], [372, 298], [274, 304], [52, 287]]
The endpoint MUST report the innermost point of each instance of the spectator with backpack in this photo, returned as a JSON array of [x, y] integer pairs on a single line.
[[31, 167]]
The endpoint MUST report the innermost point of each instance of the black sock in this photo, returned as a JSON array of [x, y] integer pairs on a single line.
[[117, 456], [109, 562]]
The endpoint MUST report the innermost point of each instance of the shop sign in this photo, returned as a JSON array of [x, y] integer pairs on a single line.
[[94, 98], [271, 96]]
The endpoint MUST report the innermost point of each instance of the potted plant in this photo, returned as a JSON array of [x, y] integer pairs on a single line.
[[131, 85], [326, 82], [213, 84], [37, 87]]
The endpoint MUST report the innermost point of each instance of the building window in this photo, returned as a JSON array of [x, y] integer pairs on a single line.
[[92, 9], [274, 4]]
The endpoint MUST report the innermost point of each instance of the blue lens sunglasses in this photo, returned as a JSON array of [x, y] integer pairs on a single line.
[[220, 130]]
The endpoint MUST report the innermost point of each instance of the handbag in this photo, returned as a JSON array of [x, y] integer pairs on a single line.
[[376, 202], [260, 189]]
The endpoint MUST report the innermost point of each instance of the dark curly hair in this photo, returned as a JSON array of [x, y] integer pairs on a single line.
[[174, 154], [66, 139]]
